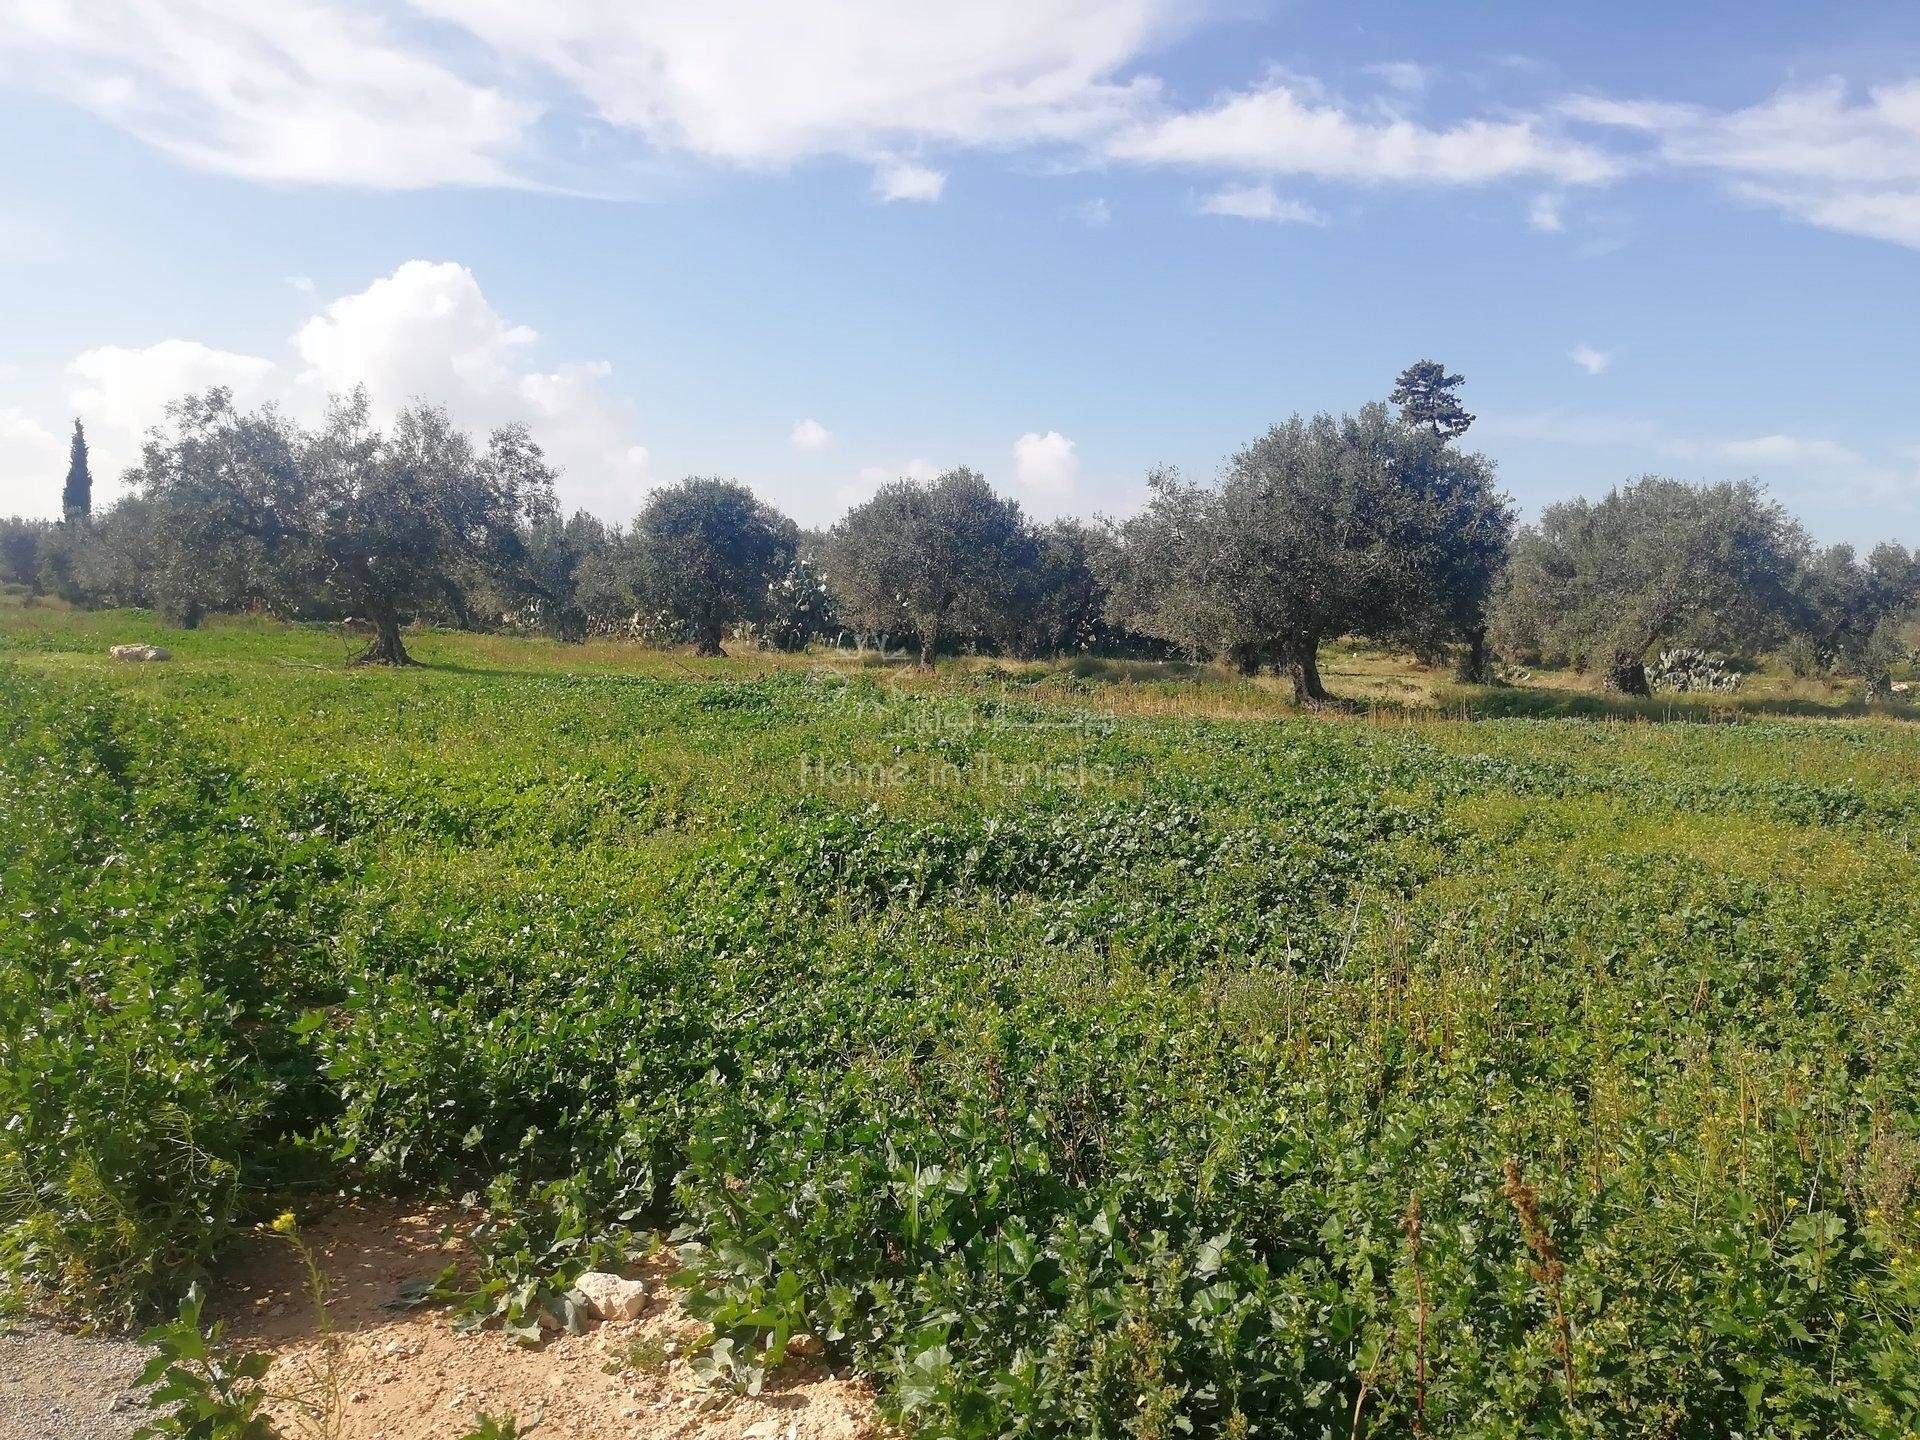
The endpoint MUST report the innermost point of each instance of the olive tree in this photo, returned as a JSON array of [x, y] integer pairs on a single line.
[[1059, 600], [346, 516], [1357, 524], [1657, 561], [709, 552], [1851, 615], [934, 559], [20, 542]]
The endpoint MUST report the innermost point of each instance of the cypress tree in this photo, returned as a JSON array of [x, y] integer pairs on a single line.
[[76, 499]]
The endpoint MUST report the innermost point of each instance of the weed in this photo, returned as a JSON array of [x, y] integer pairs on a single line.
[[199, 1393]]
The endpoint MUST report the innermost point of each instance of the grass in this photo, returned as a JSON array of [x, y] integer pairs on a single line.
[[1066, 1047]]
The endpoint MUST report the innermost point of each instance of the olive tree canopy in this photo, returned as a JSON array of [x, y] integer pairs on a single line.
[[934, 559], [708, 554], [1658, 561], [1357, 524], [375, 522]]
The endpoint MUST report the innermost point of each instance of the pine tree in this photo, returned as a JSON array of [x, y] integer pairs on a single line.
[[76, 500], [1424, 393]]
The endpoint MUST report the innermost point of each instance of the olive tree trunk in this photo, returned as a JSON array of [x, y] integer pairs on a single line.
[[1301, 654], [386, 647], [1475, 665], [1627, 673]]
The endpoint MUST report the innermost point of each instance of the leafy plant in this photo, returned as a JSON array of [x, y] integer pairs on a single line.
[[198, 1393], [494, 1427], [528, 1252], [1076, 1083]]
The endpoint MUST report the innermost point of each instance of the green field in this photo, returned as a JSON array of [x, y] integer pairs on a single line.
[[1076, 1050]]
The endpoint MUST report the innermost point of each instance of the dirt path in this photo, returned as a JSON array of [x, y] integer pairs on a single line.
[[55, 1386], [385, 1373]]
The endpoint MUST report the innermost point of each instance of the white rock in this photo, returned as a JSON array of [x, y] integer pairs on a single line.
[[610, 1297], [140, 652]]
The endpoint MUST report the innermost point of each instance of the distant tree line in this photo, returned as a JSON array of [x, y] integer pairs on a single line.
[[1374, 525]]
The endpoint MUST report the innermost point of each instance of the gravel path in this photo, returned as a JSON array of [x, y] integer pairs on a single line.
[[55, 1386]]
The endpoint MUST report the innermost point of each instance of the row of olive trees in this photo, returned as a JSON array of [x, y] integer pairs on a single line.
[[1374, 525], [1659, 562]]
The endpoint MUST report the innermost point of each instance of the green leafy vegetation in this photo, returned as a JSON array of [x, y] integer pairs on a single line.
[[1065, 1061], [198, 1391]]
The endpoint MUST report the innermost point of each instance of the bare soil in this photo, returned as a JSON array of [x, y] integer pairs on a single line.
[[380, 1371]]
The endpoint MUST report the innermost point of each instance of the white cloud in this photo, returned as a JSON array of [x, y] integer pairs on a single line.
[[33, 464], [1594, 362], [1046, 464], [1811, 150], [302, 284], [904, 180], [1095, 212], [769, 82], [810, 434], [295, 90], [1288, 128], [121, 392], [360, 92], [1259, 202], [1874, 214], [394, 94], [427, 332], [1546, 213]]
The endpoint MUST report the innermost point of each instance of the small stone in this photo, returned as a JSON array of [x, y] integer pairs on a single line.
[[610, 1297], [140, 652]]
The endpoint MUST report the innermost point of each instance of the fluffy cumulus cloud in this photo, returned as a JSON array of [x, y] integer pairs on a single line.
[[1260, 202], [1046, 464], [1594, 362], [424, 332], [428, 332], [1820, 152], [32, 462], [810, 434], [123, 391]]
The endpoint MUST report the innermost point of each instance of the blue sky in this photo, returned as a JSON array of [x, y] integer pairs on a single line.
[[1064, 241]]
